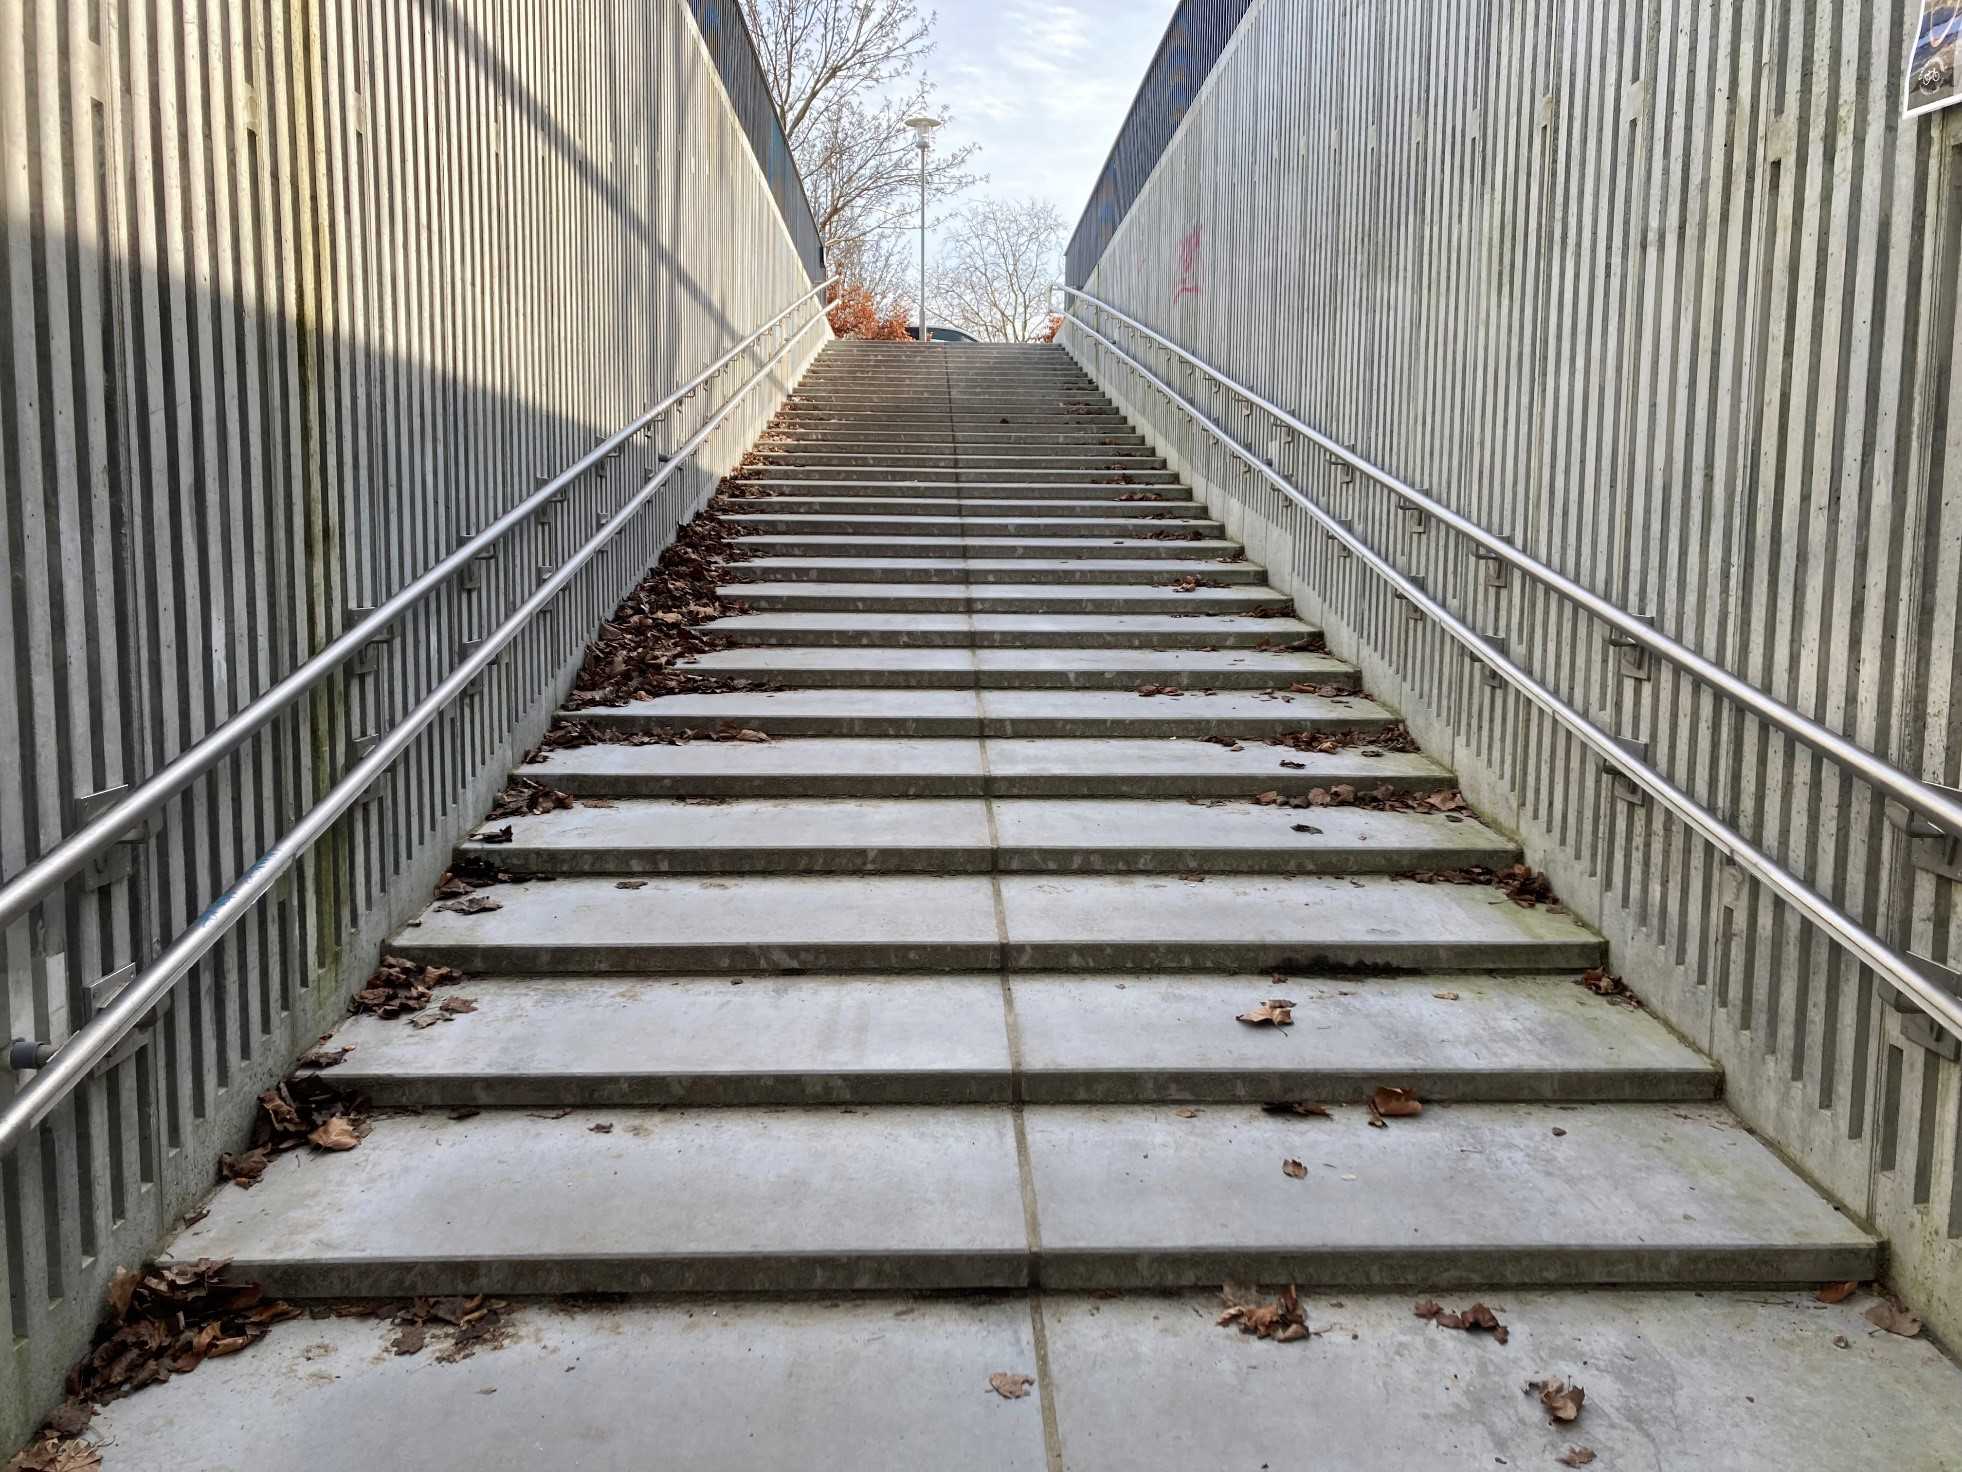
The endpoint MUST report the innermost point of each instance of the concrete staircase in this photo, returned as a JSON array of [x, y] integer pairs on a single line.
[[938, 988]]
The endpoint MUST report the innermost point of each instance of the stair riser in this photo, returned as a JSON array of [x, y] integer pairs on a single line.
[[1111, 1086], [1145, 726], [1415, 1270], [1201, 637], [955, 528], [1109, 679], [987, 548], [1089, 461], [1058, 475], [574, 957], [902, 491], [897, 602], [931, 503], [953, 572], [958, 784], [999, 441], [1297, 860]]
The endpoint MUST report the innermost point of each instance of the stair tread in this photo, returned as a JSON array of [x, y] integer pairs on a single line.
[[944, 1039], [633, 836], [790, 711], [1666, 1375], [951, 923], [758, 661], [1189, 766], [719, 1198]]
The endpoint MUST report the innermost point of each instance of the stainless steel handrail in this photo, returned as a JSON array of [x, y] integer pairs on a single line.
[[1917, 796], [40, 878], [1899, 970], [93, 1041]]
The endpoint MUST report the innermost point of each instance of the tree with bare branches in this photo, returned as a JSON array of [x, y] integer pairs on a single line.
[[844, 77], [996, 267]]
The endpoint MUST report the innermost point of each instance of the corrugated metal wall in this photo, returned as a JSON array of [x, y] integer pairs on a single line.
[[1668, 292], [297, 294]]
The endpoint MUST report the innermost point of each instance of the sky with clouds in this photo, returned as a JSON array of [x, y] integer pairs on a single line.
[[1042, 86]]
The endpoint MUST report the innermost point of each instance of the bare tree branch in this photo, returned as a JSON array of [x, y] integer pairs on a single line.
[[996, 267]]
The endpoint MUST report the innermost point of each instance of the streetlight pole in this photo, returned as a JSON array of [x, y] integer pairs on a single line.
[[923, 131]]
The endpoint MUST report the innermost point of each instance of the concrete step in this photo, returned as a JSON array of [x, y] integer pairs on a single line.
[[1015, 527], [1167, 548], [905, 493], [1091, 462], [589, 1042], [790, 500], [1026, 713], [972, 836], [1114, 598], [741, 1383], [950, 767], [1026, 475], [1009, 630], [1022, 669], [1157, 573], [1027, 922], [985, 438], [830, 1200]]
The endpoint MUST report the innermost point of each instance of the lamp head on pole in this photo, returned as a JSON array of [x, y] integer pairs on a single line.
[[922, 129]]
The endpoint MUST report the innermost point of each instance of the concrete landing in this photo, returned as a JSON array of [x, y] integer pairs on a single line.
[[1746, 1382]]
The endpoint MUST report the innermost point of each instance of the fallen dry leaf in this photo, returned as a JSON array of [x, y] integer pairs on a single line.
[[1282, 1320], [336, 1134], [1299, 1111], [630, 884], [1187, 1113], [1476, 1318], [1293, 1168], [1388, 1103], [1562, 1401], [470, 904], [1276, 1011], [325, 1057], [492, 835], [56, 1453], [1576, 1456], [1445, 996], [455, 1005], [1893, 1316], [1009, 1386], [600, 1129], [1838, 1292]]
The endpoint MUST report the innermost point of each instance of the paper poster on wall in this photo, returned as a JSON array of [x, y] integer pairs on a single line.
[[1934, 69]]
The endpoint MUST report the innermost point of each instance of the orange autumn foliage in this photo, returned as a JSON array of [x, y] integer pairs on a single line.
[[854, 314]]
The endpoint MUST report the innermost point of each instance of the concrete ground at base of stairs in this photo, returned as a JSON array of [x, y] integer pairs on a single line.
[[1741, 1381]]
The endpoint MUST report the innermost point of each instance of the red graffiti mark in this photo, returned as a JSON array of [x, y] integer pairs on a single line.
[[1189, 264]]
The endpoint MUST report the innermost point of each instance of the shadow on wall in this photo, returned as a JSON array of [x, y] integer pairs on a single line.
[[195, 488]]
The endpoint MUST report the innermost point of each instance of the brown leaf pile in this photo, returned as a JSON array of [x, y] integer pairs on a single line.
[[1298, 1110], [1306, 644], [53, 1452], [1525, 887], [1391, 738], [1384, 799], [1192, 583], [1282, 1320], [402, 988], [1563, 1401], [523, 798], [635, 654], [1476, 1318], [1138, 495], [168, 1320], [1602, 984], [461, 1326], [1576, 1456], [305, 1110]]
